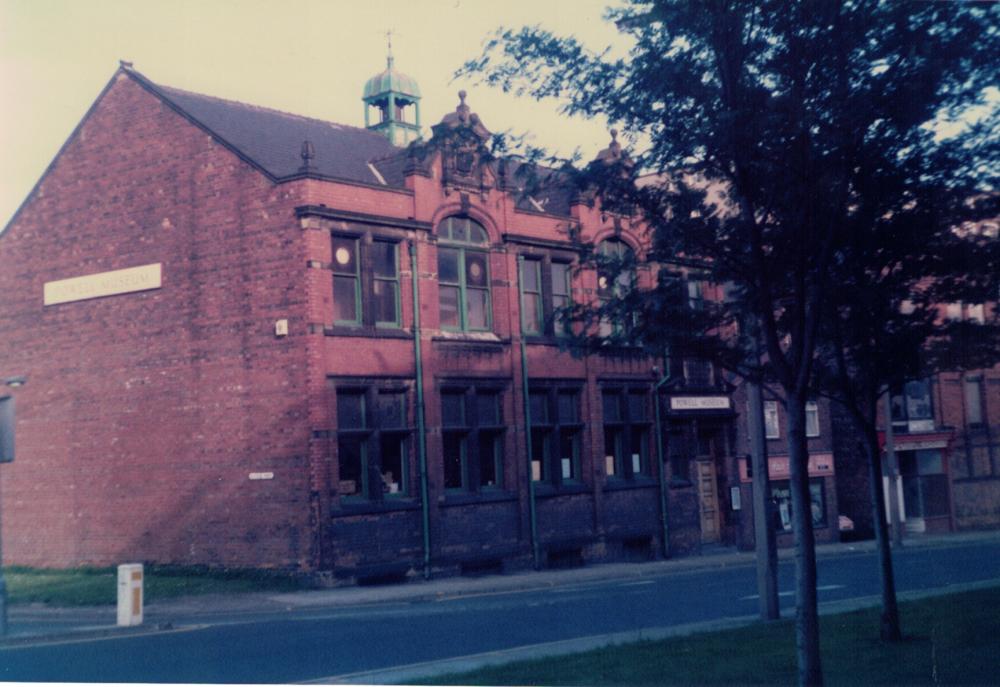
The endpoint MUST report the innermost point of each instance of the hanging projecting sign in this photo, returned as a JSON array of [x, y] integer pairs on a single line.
[[129, 280], [699, 403]]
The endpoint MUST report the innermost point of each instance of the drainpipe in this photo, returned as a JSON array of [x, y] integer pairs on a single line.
[[661, 470], [421, 429], [536, 553]]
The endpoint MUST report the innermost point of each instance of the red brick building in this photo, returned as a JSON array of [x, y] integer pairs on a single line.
[[258, 339]]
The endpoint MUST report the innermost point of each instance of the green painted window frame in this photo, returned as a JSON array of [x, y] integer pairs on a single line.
[[392, 282], [551, 429], [624, 429], [536, 327], [345, 274], [372, 435], [458, 238], [470, 434], [618, 250], [366, 278]]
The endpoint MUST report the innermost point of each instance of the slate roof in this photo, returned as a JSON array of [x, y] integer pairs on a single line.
[[272, 140]]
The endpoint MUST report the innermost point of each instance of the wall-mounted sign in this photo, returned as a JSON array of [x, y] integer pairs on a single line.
[[129, 280], [699, 403], [820, 464]]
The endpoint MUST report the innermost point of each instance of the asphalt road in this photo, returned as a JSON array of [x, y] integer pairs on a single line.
[[317, 643]]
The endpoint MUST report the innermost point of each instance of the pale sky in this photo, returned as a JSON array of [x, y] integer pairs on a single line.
[[308, 57]]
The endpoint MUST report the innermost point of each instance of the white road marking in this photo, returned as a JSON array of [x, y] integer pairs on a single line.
[[821, 588]]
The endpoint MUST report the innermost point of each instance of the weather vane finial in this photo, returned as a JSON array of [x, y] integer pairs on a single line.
[[388, 40]]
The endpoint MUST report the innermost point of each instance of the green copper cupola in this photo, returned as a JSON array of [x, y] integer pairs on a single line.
[[394, 100]]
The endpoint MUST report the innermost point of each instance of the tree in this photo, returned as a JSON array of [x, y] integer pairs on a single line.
[[883, 326], [776, 104]]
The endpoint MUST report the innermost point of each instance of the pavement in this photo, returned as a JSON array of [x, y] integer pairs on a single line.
[[33, 624]]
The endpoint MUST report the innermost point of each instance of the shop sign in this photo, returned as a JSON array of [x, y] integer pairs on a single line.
[[820, 465], [699, 403]]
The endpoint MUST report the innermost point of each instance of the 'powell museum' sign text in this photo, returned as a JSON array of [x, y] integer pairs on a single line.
[[142, 278]]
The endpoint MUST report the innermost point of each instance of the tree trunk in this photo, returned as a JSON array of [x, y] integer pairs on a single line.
[[889, 628], [807, 611]]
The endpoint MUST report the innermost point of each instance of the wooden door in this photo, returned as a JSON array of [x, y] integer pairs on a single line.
[[708, 501]]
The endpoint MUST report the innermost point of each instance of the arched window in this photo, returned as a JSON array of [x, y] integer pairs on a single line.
[[464, 275], [615, 278]]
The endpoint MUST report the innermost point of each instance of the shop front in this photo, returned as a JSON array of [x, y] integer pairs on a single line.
[[923, 486]]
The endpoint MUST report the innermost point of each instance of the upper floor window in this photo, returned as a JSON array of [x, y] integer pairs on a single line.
[[698, 373], [772, 430], [972, 388], [812, 419], [545, 290], [912, 410], [365, 282], [695, 296], [464, 275], [615, 278]]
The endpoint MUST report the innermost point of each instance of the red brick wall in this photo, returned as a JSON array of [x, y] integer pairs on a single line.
[[145, 413]]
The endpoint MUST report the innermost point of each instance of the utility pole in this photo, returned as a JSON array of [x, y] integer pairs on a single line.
[[895, 525]]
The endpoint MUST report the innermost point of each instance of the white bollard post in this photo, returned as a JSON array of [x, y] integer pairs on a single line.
[[130, 594]]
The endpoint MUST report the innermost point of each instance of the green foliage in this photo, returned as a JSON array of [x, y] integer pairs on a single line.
[[952, 640], [97, 586]]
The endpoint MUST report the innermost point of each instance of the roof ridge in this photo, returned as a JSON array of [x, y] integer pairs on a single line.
[[168, 90]]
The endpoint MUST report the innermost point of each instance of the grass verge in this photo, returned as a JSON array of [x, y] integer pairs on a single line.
[[953, 639], [97, 586]]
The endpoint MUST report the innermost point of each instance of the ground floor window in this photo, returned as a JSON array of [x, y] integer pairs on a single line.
[[925, 483], [556, 434], [472, 432], [626, 432], [373, 437], [781, 495]]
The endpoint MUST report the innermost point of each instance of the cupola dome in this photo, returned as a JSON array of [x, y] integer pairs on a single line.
[[394, 98]]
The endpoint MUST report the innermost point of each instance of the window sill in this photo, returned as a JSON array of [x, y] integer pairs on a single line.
[[467, 498], [620, 484], [545, 490], [357, 506], [368, 332], [469, 337]]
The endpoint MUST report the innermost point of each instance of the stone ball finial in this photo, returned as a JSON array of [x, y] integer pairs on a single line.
[[614, 134], [461, 96]]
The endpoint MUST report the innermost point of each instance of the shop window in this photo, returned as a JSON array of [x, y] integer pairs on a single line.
[[464, 275], [556, 435], [912, 410], [812, 419], [781, 497], [973, 391], [372, 441], [365, 282], [772, 430], [615, 279], [472, 438], [925, 483], [626, 431]]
